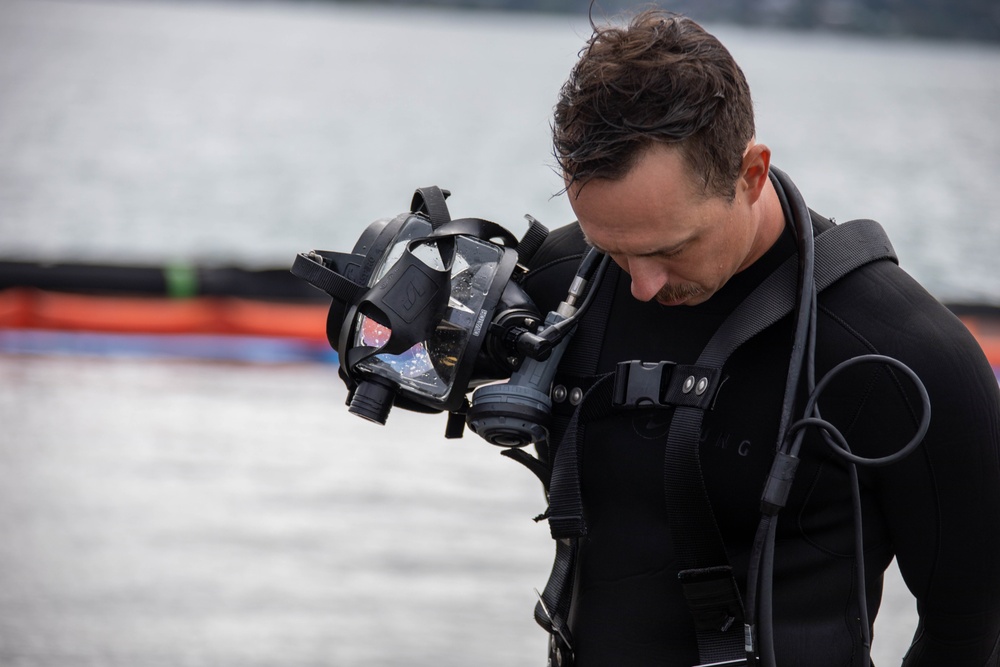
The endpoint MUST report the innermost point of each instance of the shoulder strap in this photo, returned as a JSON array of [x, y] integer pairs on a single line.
[[706, 575], [839, 250]]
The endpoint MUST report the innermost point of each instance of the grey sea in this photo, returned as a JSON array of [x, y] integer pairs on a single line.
[[169, 513]]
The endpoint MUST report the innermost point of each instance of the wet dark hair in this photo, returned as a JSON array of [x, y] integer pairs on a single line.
[[660, 79]]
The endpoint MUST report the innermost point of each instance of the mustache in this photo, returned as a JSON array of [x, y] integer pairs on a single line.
[[676, 292]]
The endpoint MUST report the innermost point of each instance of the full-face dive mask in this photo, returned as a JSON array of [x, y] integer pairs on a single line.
[[426, 308]]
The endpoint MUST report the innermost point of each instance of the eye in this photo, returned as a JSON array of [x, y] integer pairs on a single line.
[[671, 253]]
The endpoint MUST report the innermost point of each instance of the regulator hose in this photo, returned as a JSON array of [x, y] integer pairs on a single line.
[[759, 628]]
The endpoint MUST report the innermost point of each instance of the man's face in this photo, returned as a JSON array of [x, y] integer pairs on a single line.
[[679, 246]]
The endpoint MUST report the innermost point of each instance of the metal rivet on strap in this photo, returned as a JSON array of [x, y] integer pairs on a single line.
[[559, 393], [688, 385], [702, 386], [575, 395]]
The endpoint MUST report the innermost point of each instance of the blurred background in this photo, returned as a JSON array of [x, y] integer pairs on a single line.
[[175, 512]]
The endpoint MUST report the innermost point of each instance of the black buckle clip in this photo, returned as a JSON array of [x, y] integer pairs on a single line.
[[641, 384], [713, 598], [644, 384]]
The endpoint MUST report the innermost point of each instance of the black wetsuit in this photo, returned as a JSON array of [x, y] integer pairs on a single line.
[[938, 511]]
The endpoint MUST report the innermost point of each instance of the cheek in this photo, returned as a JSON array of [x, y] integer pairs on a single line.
[[720, 258], [705, 270]]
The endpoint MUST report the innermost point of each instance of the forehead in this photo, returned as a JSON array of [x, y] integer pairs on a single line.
[[655, 205]]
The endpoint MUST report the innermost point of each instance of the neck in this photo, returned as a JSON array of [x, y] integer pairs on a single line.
[[770, 223]]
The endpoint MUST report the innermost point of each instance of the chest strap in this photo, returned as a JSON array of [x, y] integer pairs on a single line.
[[705, 573]]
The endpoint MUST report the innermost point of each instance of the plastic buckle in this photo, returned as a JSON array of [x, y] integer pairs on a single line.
[[560, 652], [713, 598], [641, 384]]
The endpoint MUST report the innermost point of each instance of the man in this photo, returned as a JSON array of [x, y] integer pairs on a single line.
[[654, 133]]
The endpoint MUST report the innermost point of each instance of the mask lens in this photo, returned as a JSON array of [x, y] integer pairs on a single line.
[[409, 364], [429, 367]]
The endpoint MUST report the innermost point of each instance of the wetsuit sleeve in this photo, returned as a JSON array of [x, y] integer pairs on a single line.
[[949, 551], [940, 505]]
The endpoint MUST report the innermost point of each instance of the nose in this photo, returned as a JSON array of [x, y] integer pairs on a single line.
[[648, 277]]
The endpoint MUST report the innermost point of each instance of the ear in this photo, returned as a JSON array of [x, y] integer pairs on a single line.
[[754, 171]]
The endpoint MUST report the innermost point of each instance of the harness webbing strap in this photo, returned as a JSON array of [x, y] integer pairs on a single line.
[[315, 273], [705, 575], [565, 499], [431, 202], [839, 250], [552, 610], [532, 240]]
